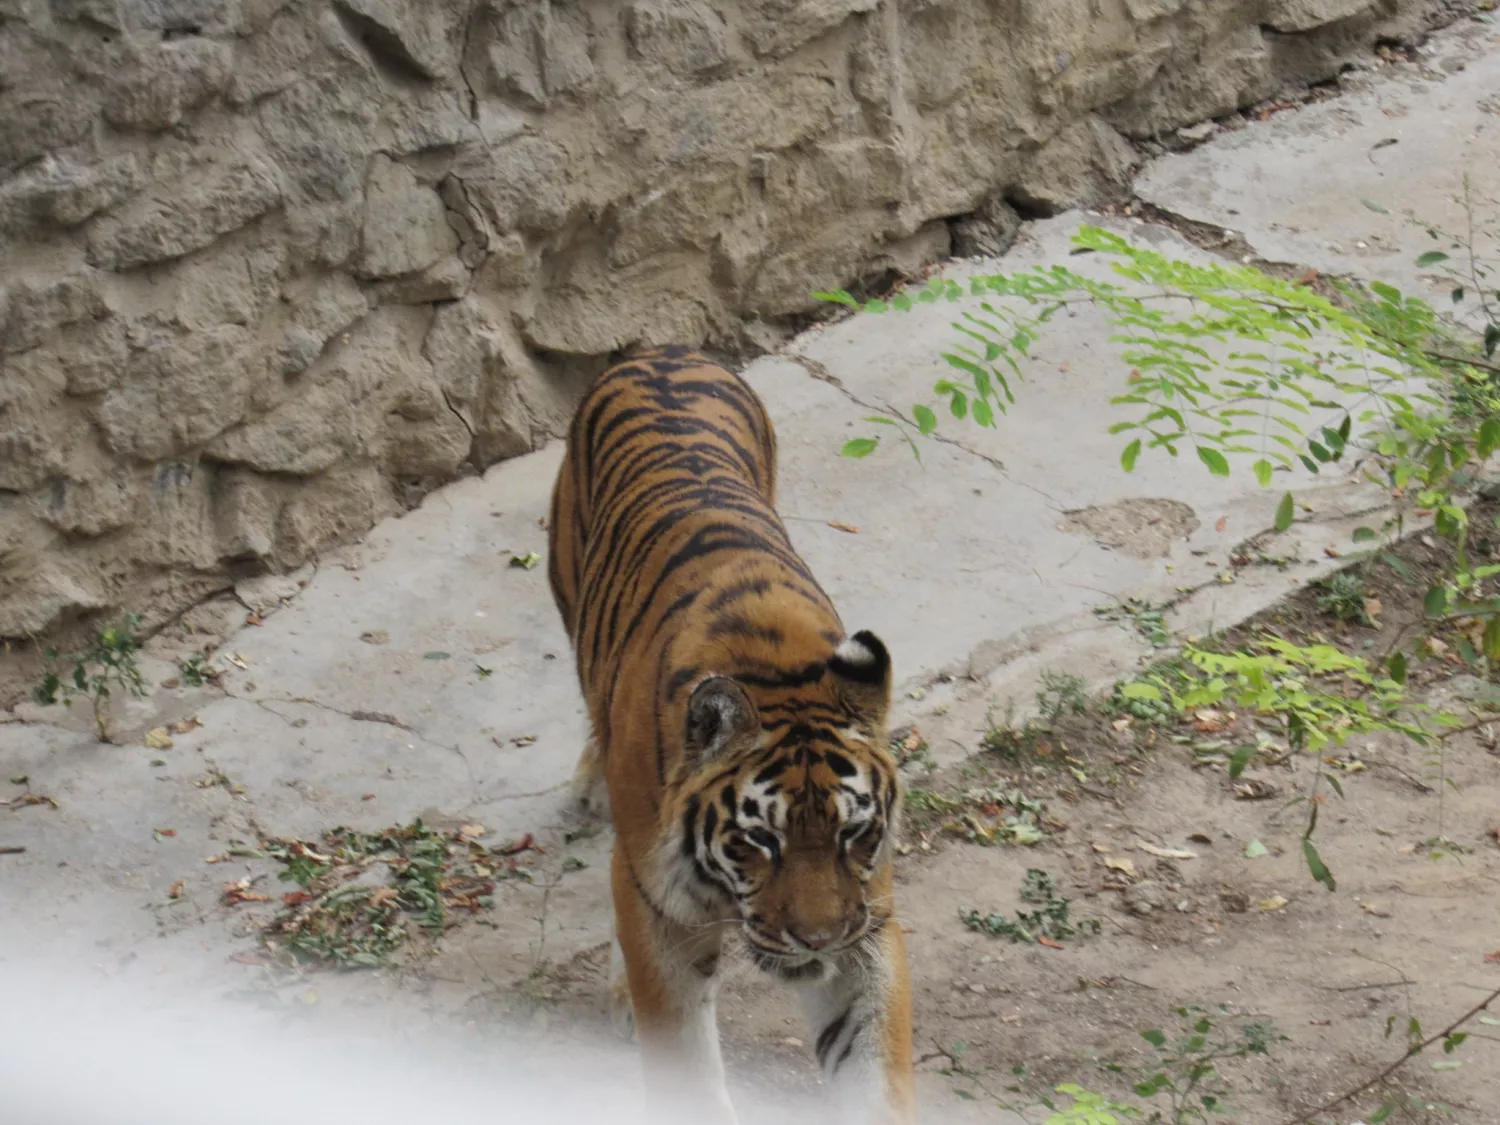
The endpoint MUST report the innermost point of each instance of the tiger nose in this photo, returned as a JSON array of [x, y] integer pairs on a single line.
[[814, 939]]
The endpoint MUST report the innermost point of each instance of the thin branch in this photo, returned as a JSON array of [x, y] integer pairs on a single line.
[[1411, 1052]]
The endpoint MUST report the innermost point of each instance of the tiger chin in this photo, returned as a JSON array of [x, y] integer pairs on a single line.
[[738, 740]]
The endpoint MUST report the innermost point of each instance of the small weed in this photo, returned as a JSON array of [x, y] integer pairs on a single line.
[[1185, 1071], [110, 658], [1048, 924], [1343, 597], [363, 896], [909, 748], [1141, 616], [1062, 694], [1006, 738], [197, 671]]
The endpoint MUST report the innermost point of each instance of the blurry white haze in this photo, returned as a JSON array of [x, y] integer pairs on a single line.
[[79, 1049]]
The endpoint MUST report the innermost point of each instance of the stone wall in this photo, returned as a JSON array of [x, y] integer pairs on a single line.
[[272, 269]]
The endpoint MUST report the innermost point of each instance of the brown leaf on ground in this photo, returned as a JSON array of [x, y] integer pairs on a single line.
[[176, 891], [837, 526]]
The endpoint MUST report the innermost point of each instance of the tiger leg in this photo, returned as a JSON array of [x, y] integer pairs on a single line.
[[590, 792], [861, 1020], [673, 979]]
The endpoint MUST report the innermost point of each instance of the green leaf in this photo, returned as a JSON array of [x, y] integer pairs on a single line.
[[1492, 639], [1127, 458], [838, 297], [1397, 667], [1263, 471], [1217, 464], [1457, 295], [959, 404], [436, 655], [859, 447], [1436, 601], [1286, 512], [1139, 689], [1154, 1037], [1320, 452], [1383, 1114], [1317, 867], [1373, 206], [1256, 850], [1431, 258], [926, 419], [1365, 534], [983, 415], [1491, 339], [1241, 759], [1388, 293]]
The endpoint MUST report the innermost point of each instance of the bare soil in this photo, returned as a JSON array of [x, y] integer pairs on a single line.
[[1412, 930]]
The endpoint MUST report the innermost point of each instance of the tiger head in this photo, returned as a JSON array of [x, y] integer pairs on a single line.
[[787, 810]]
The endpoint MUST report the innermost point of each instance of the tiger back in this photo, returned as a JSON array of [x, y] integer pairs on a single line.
[[739, 731]]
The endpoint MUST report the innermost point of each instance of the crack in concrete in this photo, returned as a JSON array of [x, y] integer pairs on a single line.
[[820, 372], [357, 715]]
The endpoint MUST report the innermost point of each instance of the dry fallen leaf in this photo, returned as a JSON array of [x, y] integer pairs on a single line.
[[1165, 853], [239, 891], [1373, 608], [187, 726], [1222, 524], [375, 637], [1211, 722], [1100, 848], [1332, 553], [295, 898], [253, 617], [1492, 958], [837, 526], [1254, 789], [1050, 944], [472, 831], [176, 891], [1121, 724], [1123, 866], [383, 895], [159, 738], [1375, 909], [1275, 902]]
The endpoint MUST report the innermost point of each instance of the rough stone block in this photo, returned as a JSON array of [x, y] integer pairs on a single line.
[[39, 307], [189, 16], [779, 27], [520, 185], [411, 39], [448, 280], [32, 125], [1304, 15], [85, 360], [62, 192], [160, 87], [685, 36], [178, 218], [93, 505], [320, 131], [37, 584], [422, 437], [330, 509], [1084, 165], [245, 508], [179, 394], [406, 225], [688, 215]]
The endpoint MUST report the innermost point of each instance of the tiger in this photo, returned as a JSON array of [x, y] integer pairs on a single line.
[[738, 739]]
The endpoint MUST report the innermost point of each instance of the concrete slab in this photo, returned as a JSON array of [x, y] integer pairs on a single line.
[[1405, 139]]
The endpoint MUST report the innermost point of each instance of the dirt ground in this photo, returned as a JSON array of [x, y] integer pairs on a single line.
[[1143, 830]]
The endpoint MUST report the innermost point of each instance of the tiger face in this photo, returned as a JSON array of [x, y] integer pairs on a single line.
[[787, 819]]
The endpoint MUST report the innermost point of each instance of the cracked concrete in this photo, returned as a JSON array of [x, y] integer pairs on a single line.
[[421, 673]]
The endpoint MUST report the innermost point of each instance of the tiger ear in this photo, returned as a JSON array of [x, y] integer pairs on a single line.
[[718, 714], [862, 667]]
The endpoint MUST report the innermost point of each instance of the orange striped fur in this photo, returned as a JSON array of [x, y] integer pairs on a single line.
[[738, 731]]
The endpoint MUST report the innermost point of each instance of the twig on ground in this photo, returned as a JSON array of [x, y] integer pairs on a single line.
[[1411, 1052]]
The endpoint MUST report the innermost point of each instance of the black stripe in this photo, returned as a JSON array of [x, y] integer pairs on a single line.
[[829, 1036]]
